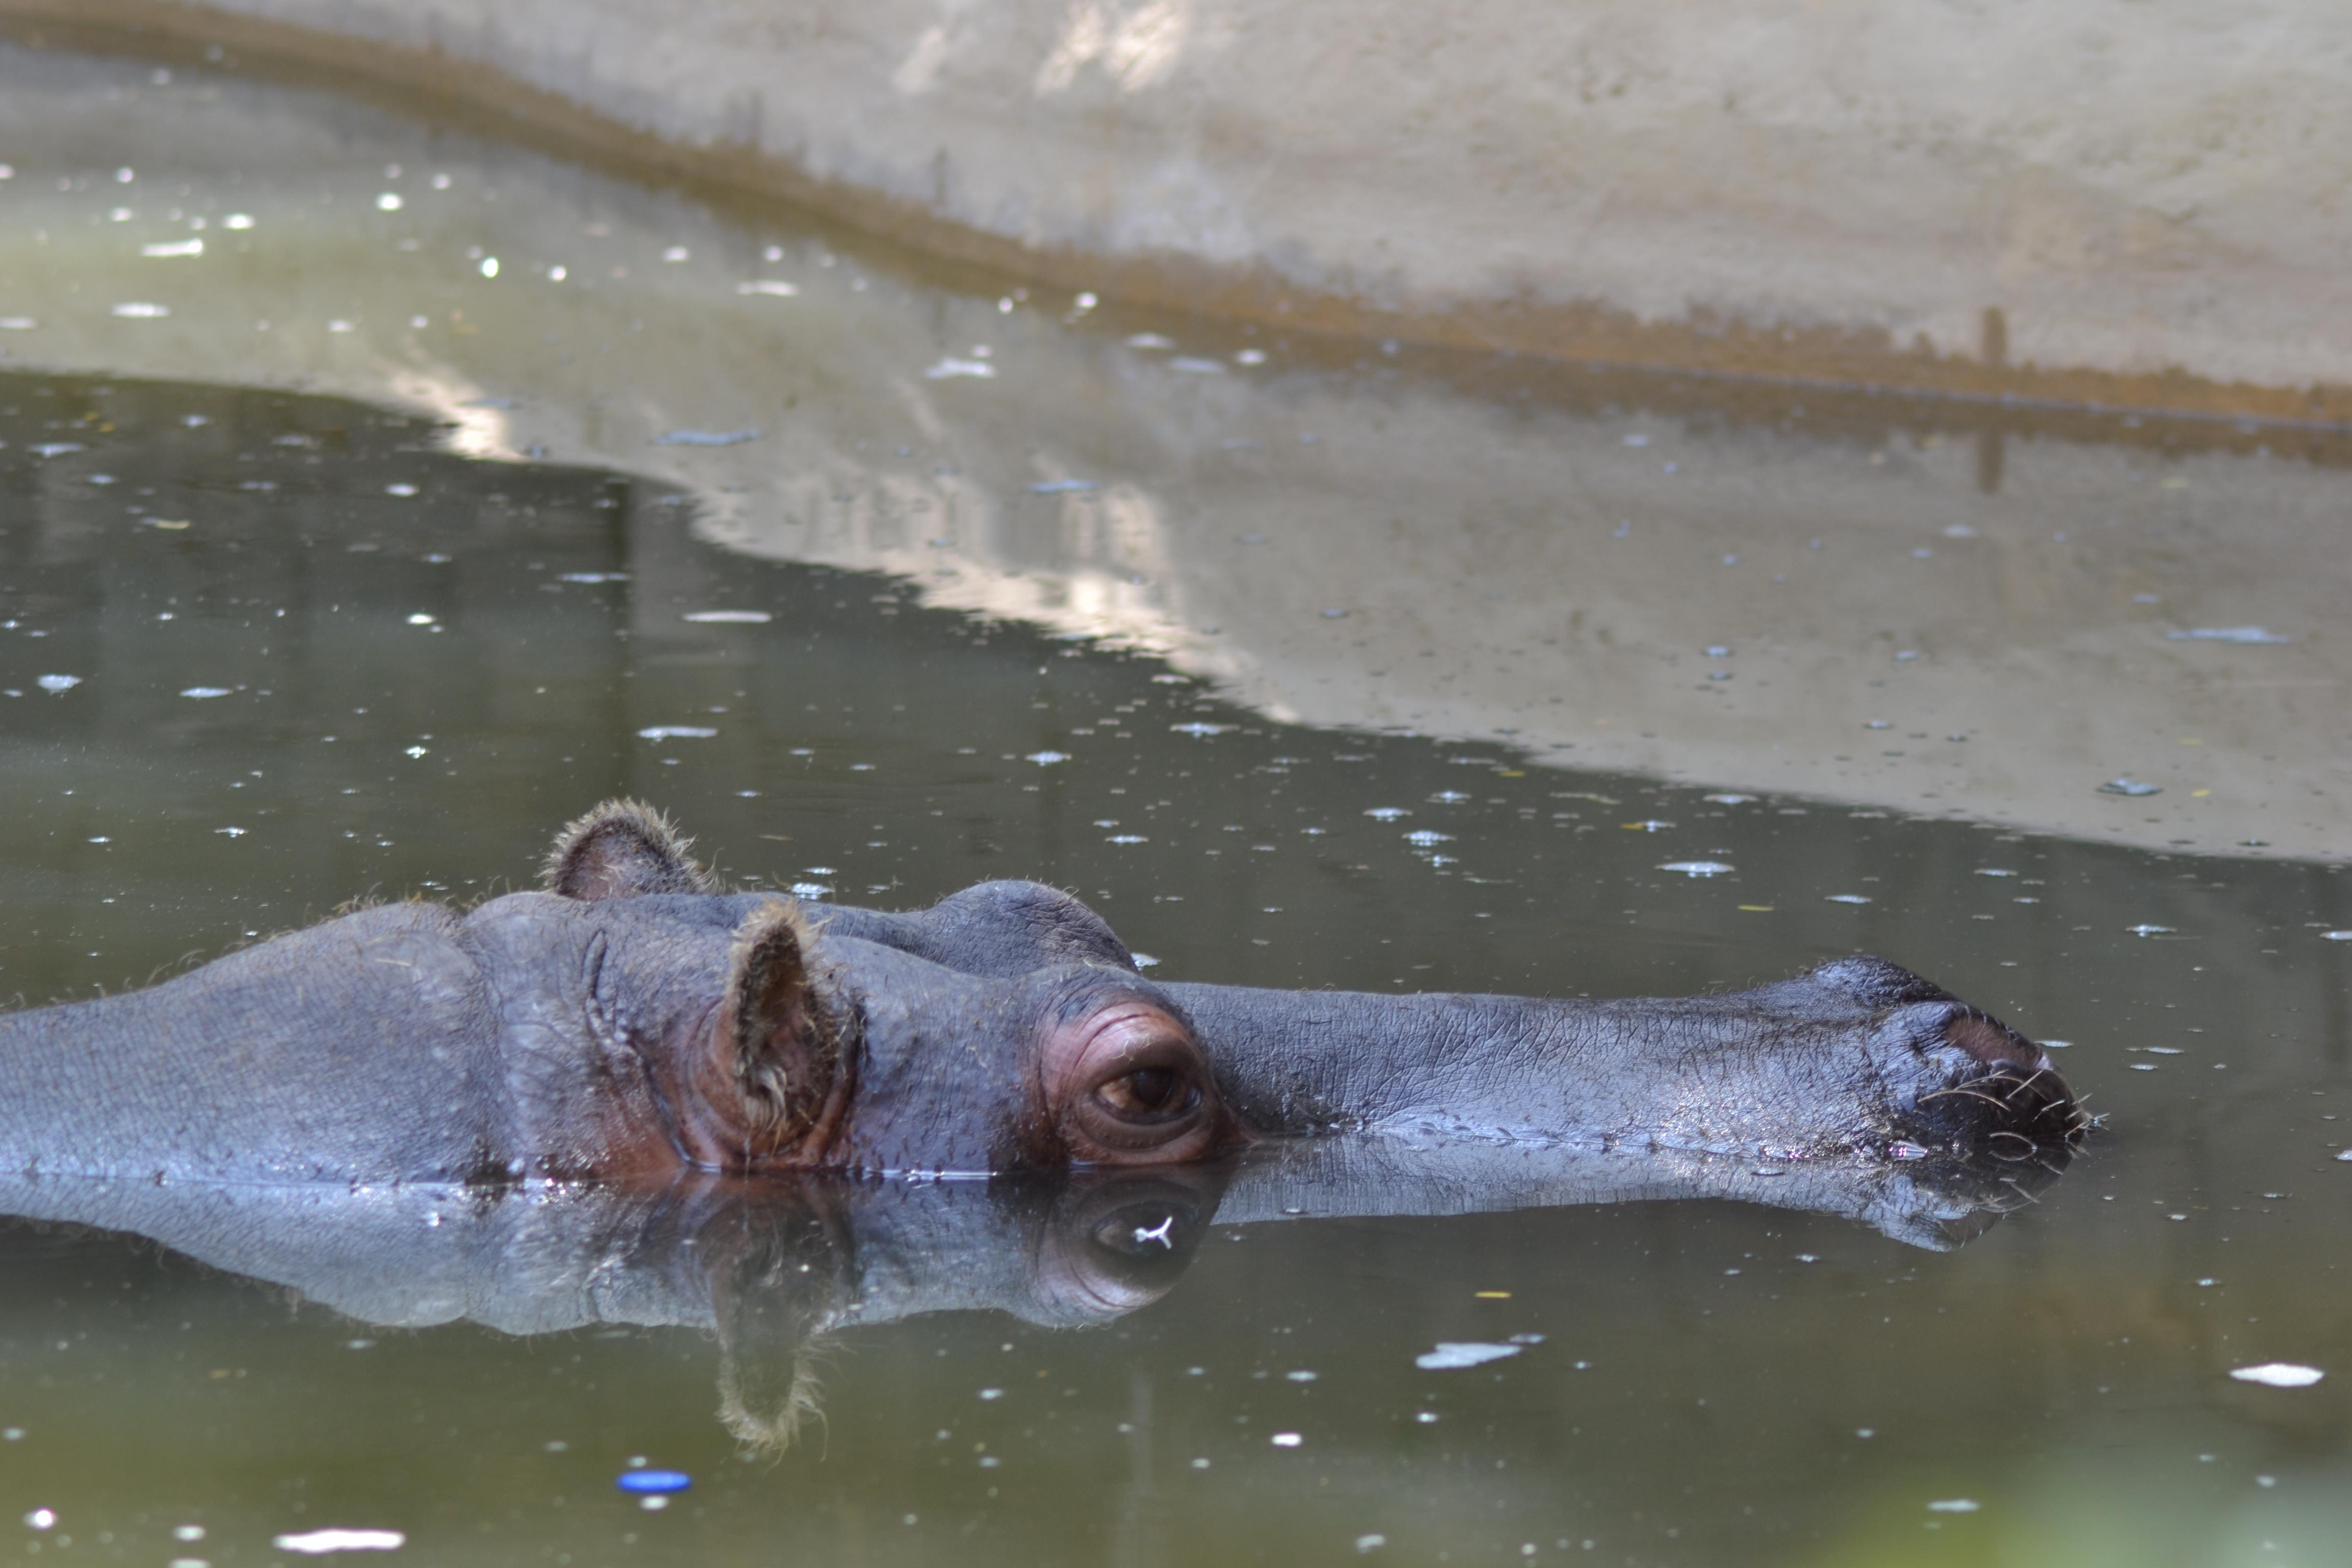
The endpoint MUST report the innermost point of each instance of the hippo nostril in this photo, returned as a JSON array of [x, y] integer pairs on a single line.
[[1990, 1042], [2001, 1095]]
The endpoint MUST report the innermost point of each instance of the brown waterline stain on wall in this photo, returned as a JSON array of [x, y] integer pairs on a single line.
[[1839, 361]]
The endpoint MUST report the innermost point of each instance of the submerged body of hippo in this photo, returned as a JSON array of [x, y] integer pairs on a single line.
[[631, 1022]]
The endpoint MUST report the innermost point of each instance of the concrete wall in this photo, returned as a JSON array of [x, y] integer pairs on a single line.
[[2131, 201]]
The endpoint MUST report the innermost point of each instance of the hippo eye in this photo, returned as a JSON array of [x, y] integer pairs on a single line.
[[1129, 1086], [1149, 1094]]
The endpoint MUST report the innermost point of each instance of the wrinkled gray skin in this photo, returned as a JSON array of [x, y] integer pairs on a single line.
[[631, 1024]]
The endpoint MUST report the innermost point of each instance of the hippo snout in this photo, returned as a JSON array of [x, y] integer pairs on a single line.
[[1982, 1086]]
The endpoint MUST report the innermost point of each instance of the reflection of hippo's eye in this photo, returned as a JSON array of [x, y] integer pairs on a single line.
[[1150, 1094], [1137, 1233]]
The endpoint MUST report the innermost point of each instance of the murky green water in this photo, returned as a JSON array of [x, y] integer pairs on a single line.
[[314, 656]]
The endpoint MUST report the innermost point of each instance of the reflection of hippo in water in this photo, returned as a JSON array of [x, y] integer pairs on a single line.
[[777, 1267], [631, 1023]]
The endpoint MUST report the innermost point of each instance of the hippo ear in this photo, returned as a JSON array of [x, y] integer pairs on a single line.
[[620, 850], [783, 1044]]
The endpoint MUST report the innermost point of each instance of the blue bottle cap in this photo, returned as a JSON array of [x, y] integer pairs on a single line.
[[655, 1481]]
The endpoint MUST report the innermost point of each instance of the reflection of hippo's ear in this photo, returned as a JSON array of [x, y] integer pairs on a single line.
[[620, 850], [785, 1047], [780, 1274]]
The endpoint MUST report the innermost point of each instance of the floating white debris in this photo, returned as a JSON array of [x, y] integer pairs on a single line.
[[2130, 787], [676, 732], [203, 693], [54, 448], [402, 490], [1286, 1440], [319, 1541], [1250, 356], [420, 619], [1047, 759], [2278, 1374], [949, 369], [230, 832], [1371, 1543], [1452, 1355], [18, 323], [1954, 1505], [489, 267], [2345, 1158], [1730, 799], [1198, 730], [1144, 961], [174, 248], [1698, 867], [1127, 839], [57, 682], [389, 202], [728, 617], [141, 309], [237, 220], [594, 577], [1151, 341], [775, 288], [1301, 1376], [1387, 812], [1061, 486], [705, 438], [809, 891], [2335, 936], [2146, 930], [1426, 838], [992, 1393], [2226, 634], [1849, 898], [1993, 871]]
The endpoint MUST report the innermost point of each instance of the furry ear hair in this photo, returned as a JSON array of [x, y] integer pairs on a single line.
[[622, 849], [784, 1052]]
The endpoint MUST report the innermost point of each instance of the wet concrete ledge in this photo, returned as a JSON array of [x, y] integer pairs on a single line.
[[2100, 203]]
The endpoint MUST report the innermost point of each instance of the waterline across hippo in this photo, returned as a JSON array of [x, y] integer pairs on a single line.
[[632, 1022]]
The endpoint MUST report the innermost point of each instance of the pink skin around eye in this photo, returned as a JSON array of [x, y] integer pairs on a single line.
[[1127, 1086]]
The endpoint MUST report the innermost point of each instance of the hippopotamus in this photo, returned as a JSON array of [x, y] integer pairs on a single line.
[[633, 1021]]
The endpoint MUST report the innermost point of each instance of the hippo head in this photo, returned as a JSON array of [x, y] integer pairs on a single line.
[[1007, 1028]]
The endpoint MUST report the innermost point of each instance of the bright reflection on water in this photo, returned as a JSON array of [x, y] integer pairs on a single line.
[[315, 659]]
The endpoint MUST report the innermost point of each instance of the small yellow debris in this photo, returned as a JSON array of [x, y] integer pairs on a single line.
[[1510, 773], [1756, 909], [2198, 794], [1493, 1295], [175, 524]]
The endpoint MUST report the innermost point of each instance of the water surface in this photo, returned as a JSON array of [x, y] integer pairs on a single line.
[[315, 656]]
